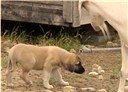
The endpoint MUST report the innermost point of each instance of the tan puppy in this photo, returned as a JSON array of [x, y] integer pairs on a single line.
[[45, 58]]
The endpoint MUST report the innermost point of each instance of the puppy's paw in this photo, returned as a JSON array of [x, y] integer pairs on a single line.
[[30, 83], [64, 83], [48, 86], [11, 85]]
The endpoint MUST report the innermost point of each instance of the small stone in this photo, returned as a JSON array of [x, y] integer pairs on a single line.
[[126, 88], [48, 91], [115, 44], [10, 85], [3, 84], [101, 71], [7, 42], [30, 74], [69, 89], [84, 49], [88, 89], [126, 79], [95, 66], [36, 77], [100, 77], [93, 74], [109, 44], [21, 85], [94, 70], [99, 68], [89, 46], [102, 90], [72, 51]]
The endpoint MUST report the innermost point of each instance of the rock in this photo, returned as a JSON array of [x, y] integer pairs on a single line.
[[36, 77], [99, 68], [94, 70], [6, 43], [48, 91], [115, 45], [102, 90], [72, 51], [84, 49], [101, 71], [69, 89], [89, 89], [3, 84], [14, 78], [126, 88], [96, 66], [80, 51], [109, 44], [100, 77], [127, 80], [89, 46], [30, 74], [93, 74], [1, 68]]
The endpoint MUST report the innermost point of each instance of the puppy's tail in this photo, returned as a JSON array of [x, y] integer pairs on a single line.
[[7, 50], [10, 66]]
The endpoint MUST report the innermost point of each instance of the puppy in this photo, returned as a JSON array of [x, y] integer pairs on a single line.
[[45, 58]]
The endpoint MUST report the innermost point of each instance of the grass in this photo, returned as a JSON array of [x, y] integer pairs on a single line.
[[14, 36], [65, 41], [4, 61], [116, 74]]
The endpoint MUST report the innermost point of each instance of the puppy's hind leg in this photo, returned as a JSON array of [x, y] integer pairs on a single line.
[[9, 71], [58, 77], [27, 66], [24, 77]]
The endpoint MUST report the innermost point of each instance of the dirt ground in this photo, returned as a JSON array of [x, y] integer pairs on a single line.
[[109, 61]]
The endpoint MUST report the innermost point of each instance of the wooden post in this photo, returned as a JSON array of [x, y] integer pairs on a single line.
[[67, 11], [76, 13]]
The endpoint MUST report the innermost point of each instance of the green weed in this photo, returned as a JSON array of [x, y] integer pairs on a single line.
[[116, 74], [65, 41], [4, 61], [15, 35]]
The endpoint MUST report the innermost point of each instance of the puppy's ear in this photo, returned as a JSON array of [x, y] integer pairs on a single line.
[[78, 59], [78, 68]]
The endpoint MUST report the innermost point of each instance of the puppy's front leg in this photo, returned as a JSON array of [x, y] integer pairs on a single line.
[[46, 78], [58, 77]]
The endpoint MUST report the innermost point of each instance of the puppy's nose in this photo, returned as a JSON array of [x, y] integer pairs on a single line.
[[82, 70], [79, 70]]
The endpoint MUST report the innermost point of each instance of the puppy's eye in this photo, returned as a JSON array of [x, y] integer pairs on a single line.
[[78, 63]]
